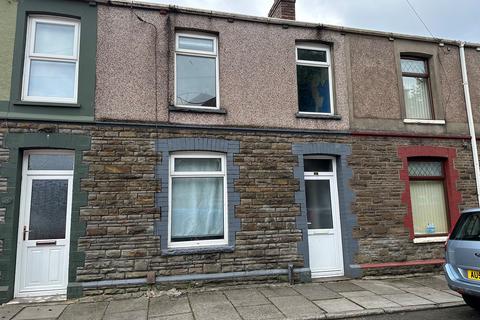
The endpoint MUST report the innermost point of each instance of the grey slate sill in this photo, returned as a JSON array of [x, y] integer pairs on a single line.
[[197, 110], [46, 104], [318, 116], [199, 250]]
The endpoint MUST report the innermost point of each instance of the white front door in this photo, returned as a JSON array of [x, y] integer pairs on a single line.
[[323, 217], [44, 223]]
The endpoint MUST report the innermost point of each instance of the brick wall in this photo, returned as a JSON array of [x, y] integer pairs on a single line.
[[121, 186]]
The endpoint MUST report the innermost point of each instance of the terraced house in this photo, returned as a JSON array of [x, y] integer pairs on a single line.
[[146, 143]]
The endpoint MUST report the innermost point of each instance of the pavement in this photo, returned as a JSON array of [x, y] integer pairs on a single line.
[[318, 300]]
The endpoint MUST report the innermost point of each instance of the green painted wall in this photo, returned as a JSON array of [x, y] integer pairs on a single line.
[[82, 111], [8, 16]]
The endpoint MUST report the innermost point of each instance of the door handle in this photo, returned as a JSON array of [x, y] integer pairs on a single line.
[[25, 231]]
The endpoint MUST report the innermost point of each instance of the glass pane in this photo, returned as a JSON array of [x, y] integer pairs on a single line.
[[51, 79], [196, 81], [425, 169], [48, 209], [56, 39], [413, 66], [319, 206], [312, 55], [417, 98], [428, 207], [313, 89], [196, 44], [469, 228], [317, 165], [50, 162], [197, 208], [198, 164]]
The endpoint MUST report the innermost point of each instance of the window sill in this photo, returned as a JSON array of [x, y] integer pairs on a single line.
[[432, 239], [46, 104], [197, 250], [318, 116], [197, 110], [423, 121]]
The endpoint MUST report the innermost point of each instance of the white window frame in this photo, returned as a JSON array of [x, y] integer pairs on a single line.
[[193, 174], [30, 55], [319, 64], [197, 53]]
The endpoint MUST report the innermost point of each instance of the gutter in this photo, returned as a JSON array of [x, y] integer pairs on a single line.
[[471, 127]]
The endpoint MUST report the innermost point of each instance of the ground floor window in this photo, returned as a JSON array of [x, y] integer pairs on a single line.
[[197, 199], [428, 197]]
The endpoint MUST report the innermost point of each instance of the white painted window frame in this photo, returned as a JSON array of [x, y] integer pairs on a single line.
[[193, 174], [318, 64], [197, 53], [30, 55]]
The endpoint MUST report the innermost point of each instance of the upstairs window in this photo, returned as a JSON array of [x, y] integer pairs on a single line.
[[196, 71], [416, 88], [427, 193], [51, 60], [314, 79]]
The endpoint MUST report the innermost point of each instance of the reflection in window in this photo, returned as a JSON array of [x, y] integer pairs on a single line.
[[196, 71], [314, 80]]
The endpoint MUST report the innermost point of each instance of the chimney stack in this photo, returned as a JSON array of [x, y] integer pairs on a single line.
[[283, 9]]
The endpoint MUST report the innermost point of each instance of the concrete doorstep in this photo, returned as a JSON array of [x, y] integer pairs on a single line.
[[319, 300]]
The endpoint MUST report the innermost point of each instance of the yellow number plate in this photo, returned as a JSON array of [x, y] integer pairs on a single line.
[[474, 275]]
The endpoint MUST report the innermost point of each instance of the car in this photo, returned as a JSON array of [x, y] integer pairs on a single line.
[[462, 257]]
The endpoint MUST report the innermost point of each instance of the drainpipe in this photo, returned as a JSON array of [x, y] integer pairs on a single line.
[[471, 127]]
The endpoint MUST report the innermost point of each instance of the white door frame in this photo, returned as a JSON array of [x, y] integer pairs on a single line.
[[337, 231], [24, 218]]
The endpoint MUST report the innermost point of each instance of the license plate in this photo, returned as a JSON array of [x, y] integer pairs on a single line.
[[473, 275]]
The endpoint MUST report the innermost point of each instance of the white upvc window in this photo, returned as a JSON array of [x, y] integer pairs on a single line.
[[314, 79], [196, 71], [197, 200], [50, 71]]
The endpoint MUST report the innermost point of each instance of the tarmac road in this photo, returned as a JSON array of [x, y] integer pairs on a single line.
[[457, 313]]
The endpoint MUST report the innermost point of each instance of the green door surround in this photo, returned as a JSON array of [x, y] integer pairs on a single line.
[[16, 143], [83, 111]]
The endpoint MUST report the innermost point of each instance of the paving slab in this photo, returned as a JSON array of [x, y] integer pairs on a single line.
[[376, 286], [212, 306], [84, 311], [127, 315], [7, 312], [342, 286], [337, 305], [315, 291], [40, 312], [167, 306], [407, 299], [296, 307], [373, 302], [245, 297], [403, 283], [124, 305], [266, 311], [353, 294], [278, 292], [433, 295], [432, 282], [183, 316]]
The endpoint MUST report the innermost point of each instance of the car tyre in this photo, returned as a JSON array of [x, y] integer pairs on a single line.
[[472, 301]]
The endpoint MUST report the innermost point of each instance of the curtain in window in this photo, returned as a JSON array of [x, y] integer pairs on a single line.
[[417, 100], [428, 207], [197, 208]]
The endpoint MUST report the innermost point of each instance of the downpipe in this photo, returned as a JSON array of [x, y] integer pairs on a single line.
[[471, 127]]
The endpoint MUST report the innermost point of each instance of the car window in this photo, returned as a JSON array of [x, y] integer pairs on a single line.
[[468, 228]]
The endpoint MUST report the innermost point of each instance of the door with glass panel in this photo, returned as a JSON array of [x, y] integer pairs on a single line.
[[44, 223], [323, 217]]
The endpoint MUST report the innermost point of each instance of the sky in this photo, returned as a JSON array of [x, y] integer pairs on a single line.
[[447, 19]]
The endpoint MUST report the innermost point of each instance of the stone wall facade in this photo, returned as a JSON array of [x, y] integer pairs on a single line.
[[120, 241]]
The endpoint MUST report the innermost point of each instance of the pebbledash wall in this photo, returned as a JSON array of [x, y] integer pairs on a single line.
[[118, 242]]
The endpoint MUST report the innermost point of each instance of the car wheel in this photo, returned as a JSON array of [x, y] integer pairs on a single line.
[[472, 301]]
